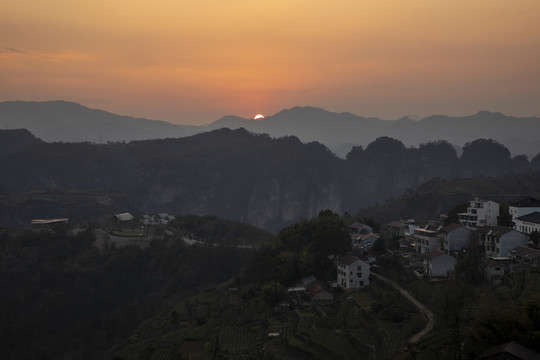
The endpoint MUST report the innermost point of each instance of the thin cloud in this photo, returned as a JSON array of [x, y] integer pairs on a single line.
[[8, 50]]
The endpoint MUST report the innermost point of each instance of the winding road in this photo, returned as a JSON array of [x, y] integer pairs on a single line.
[[419, 305]]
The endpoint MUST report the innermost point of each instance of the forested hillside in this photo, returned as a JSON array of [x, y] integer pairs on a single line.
[[64, 298], [237, 175]]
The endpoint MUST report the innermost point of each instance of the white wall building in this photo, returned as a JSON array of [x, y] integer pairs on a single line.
[[352, 272], [456, 237], [480, 213], [438, 263], [427, 239], [528, 223], [523, 207], [497, 241]]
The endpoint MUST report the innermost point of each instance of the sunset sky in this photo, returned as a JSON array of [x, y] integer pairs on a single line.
[[192, 62]]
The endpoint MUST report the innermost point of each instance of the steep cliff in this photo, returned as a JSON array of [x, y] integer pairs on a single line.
[[238, 175]]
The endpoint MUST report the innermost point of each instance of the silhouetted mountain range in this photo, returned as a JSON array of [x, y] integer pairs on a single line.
[[71, 122], [238, 175]]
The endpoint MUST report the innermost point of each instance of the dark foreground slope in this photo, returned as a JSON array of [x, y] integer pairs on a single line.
[[63, 298]]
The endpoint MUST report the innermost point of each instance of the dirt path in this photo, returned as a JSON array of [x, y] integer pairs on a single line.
[[425, 310]]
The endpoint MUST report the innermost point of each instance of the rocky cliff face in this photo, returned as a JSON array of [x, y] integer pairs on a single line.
[[237, 175]]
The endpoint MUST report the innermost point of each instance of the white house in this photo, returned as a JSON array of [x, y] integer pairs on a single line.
[[427, 239], [364, 242], [523, 207], [480, 213], [352, 272], [456, 237], [497, 240], [528, 223], [439, 263]]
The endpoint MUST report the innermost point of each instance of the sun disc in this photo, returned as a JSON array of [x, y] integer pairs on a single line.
[[258, 116]]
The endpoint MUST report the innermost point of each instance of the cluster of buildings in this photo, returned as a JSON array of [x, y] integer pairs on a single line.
[[353, 269], [505, 249]]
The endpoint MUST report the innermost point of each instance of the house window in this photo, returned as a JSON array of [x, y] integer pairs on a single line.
[[359, 274]]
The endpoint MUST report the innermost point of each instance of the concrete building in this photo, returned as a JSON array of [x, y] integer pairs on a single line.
[[352, 272], [523, 207], [528, 223], [427, 239], [480, 213], [498, 240], [438, 263], [456, 237]]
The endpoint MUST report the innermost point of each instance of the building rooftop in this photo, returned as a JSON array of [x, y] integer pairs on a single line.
[[532, 217], [348, 259], [526, 202], [493, 230], [451, 227], [513, 349], [525, 252], [434, 254]]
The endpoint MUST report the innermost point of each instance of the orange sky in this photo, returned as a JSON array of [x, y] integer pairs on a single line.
[[195, 61]]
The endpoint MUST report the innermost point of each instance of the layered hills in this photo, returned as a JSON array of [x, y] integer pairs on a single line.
[[237, 175], [72, 122]]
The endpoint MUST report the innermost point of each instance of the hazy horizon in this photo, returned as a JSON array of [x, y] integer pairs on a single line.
[[192, 63]]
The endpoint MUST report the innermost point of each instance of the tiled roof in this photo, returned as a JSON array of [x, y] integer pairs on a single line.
[[451, 227], [124, 216], [493, 230], [367, 236], [435, 253], [526, 202], [513, 348], [532, 217], [526, 252], [349, 259]]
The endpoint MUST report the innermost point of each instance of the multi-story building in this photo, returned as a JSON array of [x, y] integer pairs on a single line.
[[480, 213], [456, 237], [352, 272], [438, 263], [523, 207], [528, 223], [498, 240], [427, 239]]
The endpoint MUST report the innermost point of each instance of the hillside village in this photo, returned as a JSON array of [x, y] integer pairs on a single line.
[[431, 252]]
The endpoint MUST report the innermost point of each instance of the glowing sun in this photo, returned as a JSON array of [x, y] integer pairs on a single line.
[[258, 116]]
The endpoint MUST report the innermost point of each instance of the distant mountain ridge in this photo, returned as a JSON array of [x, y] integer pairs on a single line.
[[72, 122]]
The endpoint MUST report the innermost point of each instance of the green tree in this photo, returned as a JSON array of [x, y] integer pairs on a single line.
[[452, 216], [504, 218], [535, 237]]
